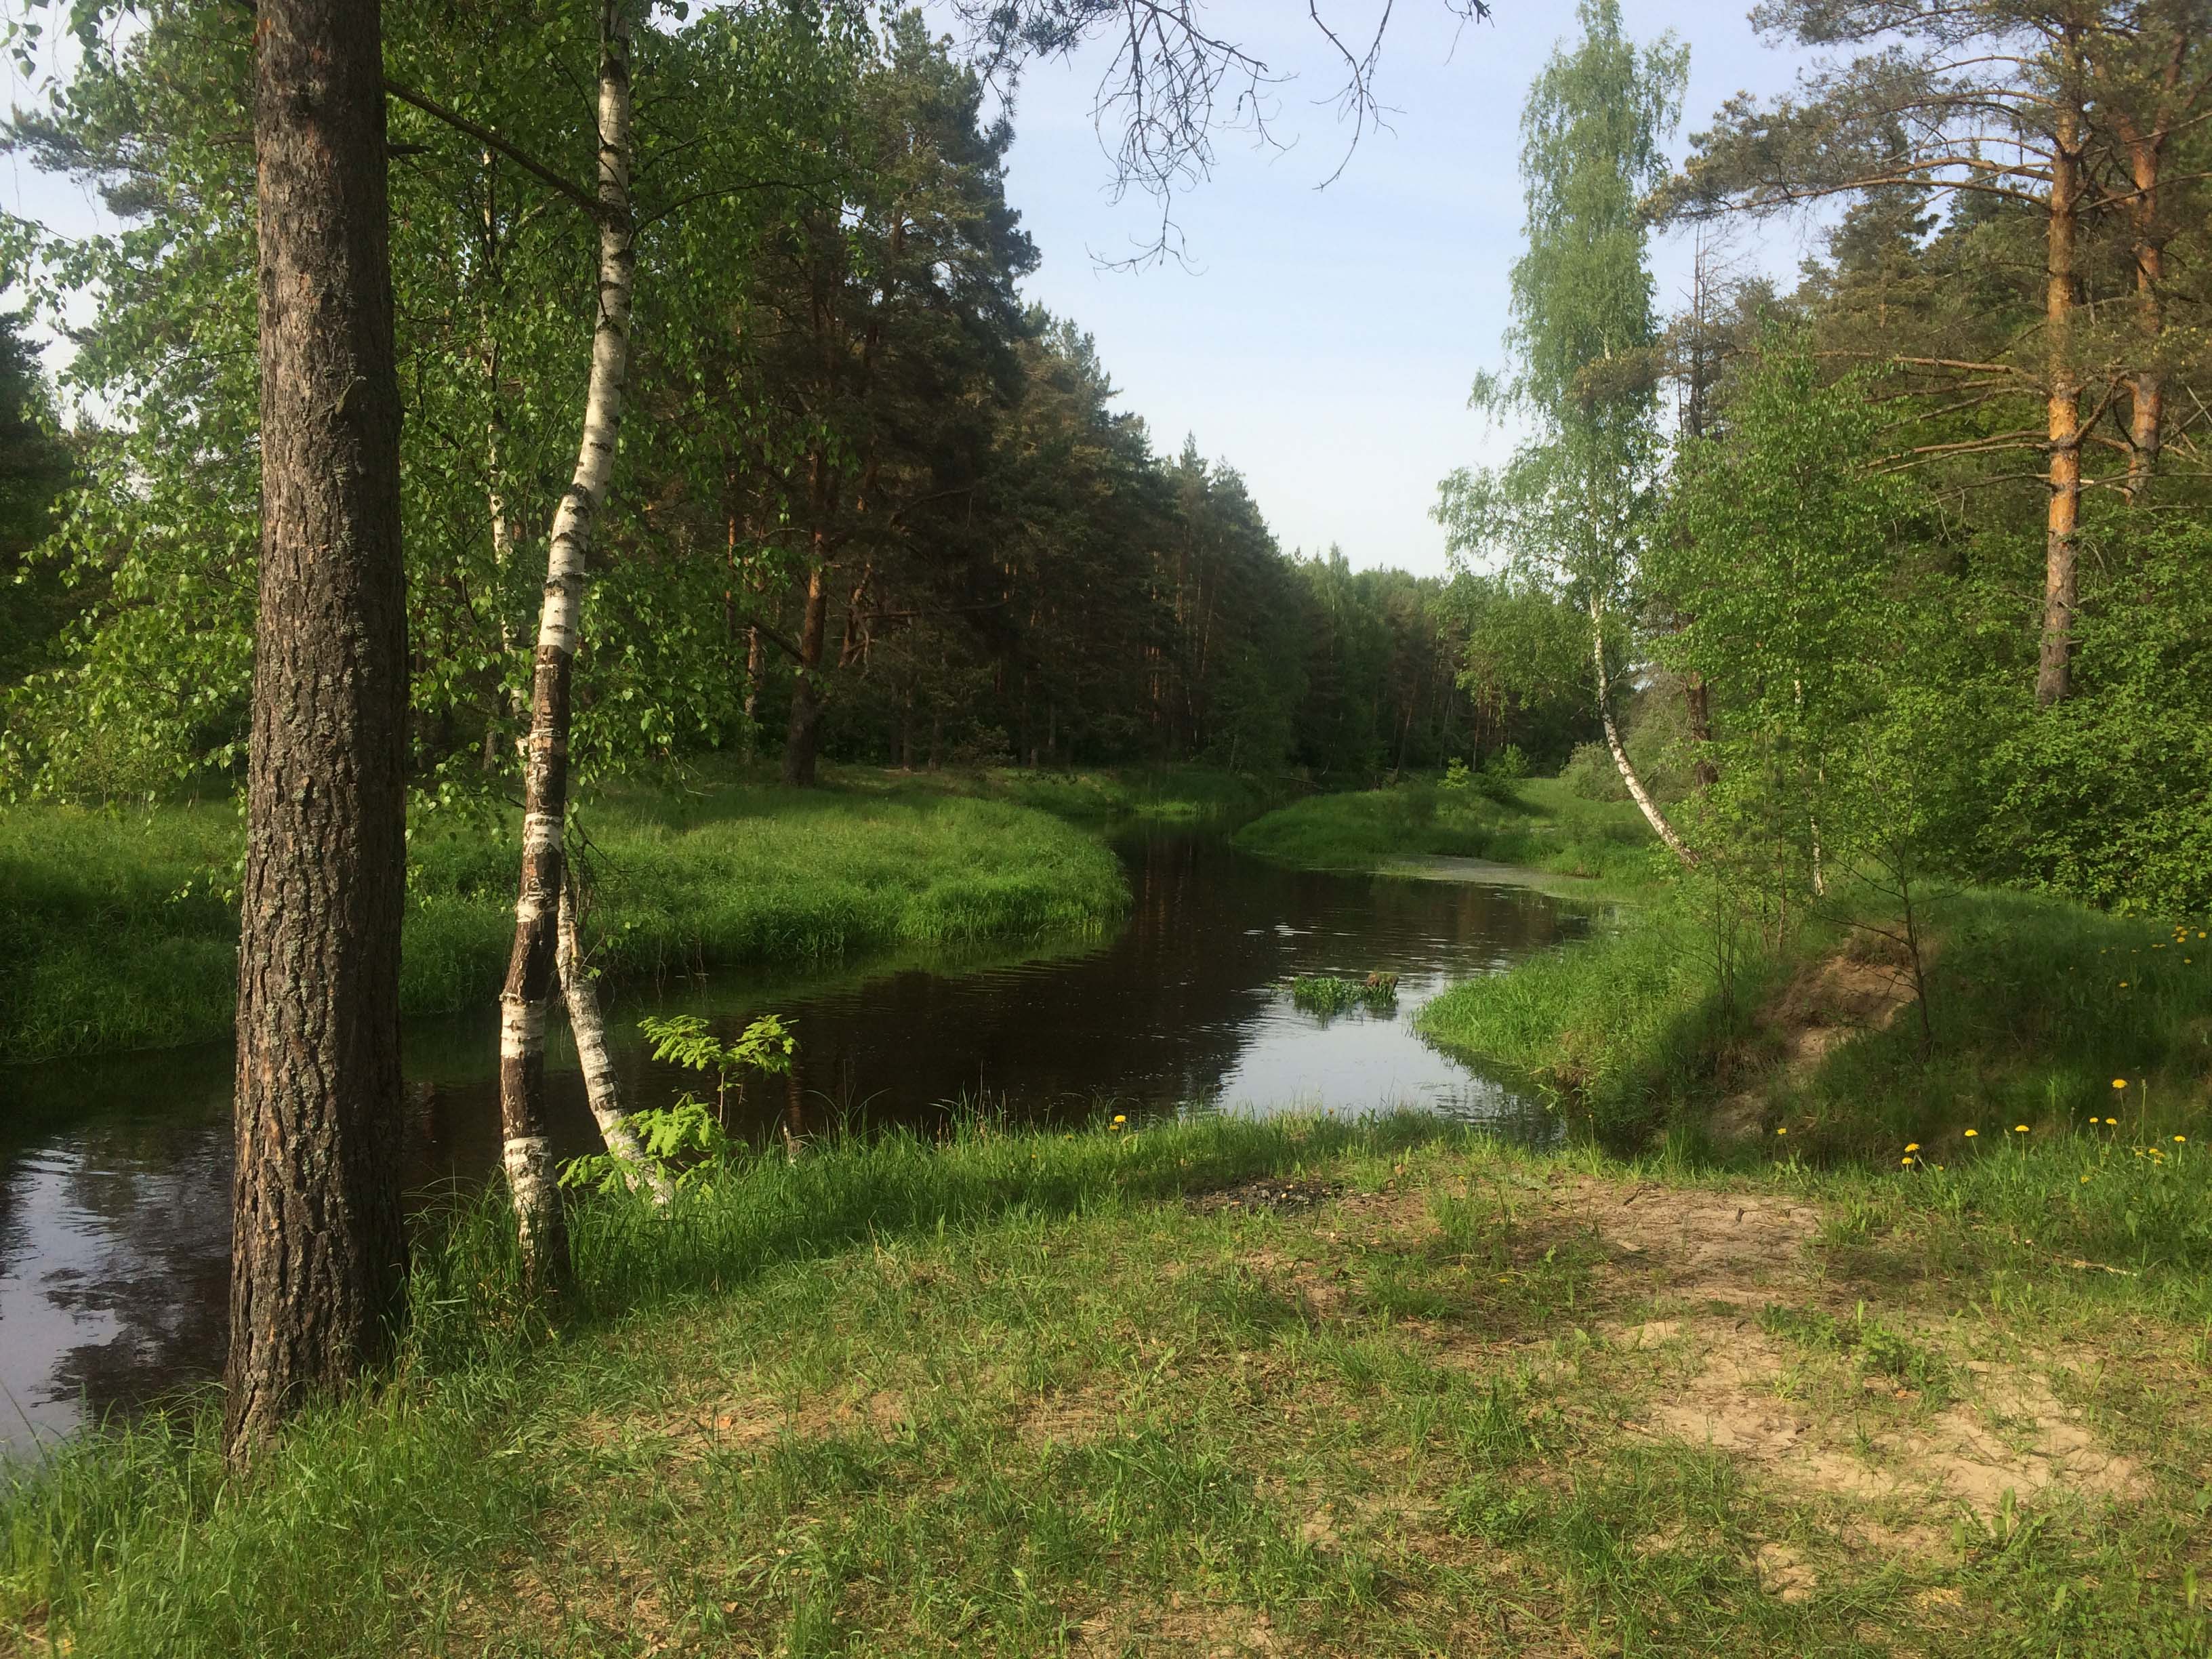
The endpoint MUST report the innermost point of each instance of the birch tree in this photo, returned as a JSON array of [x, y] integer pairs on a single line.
[[526, 1149], [1570, 512]]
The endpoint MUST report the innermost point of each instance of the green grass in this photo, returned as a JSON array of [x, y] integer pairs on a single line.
[[2037, 1005], [1010, 1396], [1325, 993], [1539, 824], [119, 930]]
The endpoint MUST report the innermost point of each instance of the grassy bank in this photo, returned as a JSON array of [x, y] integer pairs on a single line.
[[2039, 1012], [120, 927], [1411, 1394], [1539, 823]]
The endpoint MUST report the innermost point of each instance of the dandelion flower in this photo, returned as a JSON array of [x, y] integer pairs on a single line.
[[1906, 1162], [1971, 1134], [2119, 1083], [2124, 985], [2114, 1121], [2020, 1128], [1120, 1118], [1782, 1132], [1912, 1145], [2181, 1140], [2085, 1181]]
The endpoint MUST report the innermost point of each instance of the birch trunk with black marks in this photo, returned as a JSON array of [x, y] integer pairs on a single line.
[[580, 990], [528, 1148], [1638, 793], [317, 1253]]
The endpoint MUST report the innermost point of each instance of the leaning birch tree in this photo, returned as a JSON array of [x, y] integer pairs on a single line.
[[533, 966], [1568, 512]]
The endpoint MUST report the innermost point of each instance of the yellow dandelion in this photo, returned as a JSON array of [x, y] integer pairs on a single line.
[[2114, 1121], [2181, 1140], [1906, 1162], [2119, 1083], [2085, 1181], [1782, 1132], [2124, 985], [2020, 1128], [1971, 1134], [1120, 1118], [1912, 1145]]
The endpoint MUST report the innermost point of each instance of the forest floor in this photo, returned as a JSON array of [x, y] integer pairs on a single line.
[[1226, 1387], [120, 927]]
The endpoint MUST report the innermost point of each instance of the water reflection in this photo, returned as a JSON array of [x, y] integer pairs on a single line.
[[114, 1173]]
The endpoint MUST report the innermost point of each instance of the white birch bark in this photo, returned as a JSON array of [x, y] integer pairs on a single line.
[[531, 970], [579, 988], [1638, 793]]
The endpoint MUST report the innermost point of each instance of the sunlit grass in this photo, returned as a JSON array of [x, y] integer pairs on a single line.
[[2038, 1007], [119, 928], [1008, 1393], [1538, 823]]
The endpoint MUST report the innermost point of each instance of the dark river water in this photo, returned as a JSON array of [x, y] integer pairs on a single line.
[[114, 1173]]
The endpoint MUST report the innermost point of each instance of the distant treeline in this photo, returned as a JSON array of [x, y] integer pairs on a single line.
[[868, 504]]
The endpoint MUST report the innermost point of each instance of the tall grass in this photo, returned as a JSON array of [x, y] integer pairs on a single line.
[[1539, 824], [1620, 1028], [118, 929], [2039, 1006]]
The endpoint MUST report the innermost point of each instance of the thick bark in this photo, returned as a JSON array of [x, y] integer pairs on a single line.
[[318, 1254], [530, 970], [2063, 393], [579, 989], [1638, 793], [802, 738]]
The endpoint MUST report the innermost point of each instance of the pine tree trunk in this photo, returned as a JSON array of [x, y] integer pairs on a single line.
[[2147, 419], [579, 989], [803, 735], [1641, 797], [530, 970], [317, 1253], [2060, 573]]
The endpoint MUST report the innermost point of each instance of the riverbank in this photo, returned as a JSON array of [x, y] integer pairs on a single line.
[[1533, 824], [120, 927], [2039, 1015], [1298, 1386], [1682, 1016]]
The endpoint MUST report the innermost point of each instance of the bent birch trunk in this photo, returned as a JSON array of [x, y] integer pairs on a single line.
[[1638, 793], [579, 989], [528, 1148]]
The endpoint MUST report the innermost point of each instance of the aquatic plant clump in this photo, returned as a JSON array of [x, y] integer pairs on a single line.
[[1325, 994]]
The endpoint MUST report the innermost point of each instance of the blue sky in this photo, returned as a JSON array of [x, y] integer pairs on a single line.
[[1322, 341]]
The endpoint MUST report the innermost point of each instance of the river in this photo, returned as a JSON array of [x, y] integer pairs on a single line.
[[114, 1173]]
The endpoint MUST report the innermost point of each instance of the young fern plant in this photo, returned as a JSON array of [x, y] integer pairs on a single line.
[[687, 1142]]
